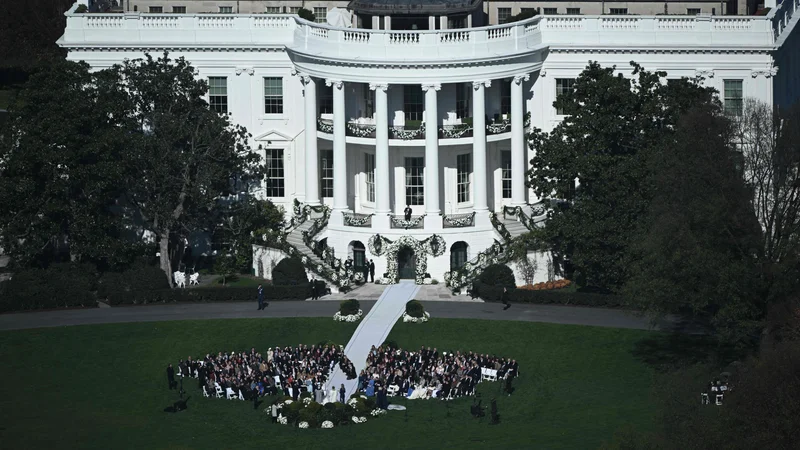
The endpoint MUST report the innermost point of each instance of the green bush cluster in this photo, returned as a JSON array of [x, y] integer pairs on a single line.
[[210, 294], [139, 277], [289, 272], [415, 309], [63, 285], [495, 294], [498, 275], [349, 307]]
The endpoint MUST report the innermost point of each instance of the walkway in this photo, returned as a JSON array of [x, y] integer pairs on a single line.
[[372, 330], [428, 292]]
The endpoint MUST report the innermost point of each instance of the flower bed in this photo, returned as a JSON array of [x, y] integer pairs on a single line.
[[415, 312], [348, 318], [310, 414], [349, 311], [546, 285], [424, 318]]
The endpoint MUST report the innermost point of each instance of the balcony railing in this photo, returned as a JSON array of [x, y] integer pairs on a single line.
[[415, 222], [418, 132], [458, 220], [358, 220]]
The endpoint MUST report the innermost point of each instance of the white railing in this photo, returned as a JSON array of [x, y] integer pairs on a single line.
[[486, 42]]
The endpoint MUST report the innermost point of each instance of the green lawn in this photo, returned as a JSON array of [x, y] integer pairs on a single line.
[[105, 387]]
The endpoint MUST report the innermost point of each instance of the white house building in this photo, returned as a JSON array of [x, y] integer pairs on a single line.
[[368, 122]]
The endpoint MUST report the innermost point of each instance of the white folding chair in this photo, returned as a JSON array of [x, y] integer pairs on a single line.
[[205, 392], [719, 399], [230, 394], [220, 392], [241, 397], [484, 373], [704, 399], [180, 374], [491, 375], [392, 390]]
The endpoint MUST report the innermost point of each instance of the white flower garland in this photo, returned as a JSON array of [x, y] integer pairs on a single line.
[[327, 424], [377, 412], [359, 419], [303, 425], [282, 420], [351, 318], [424, 318]]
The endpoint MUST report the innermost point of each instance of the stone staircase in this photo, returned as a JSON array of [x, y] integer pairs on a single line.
[[295, 239], [515, 227]]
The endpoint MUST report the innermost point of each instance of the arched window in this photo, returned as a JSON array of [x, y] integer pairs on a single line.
[[358, 252], [458, 255]]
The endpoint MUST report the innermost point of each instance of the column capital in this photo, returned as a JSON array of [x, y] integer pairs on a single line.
[[382, 86], [478, 84], [248, 70], [518, 79], [543, 72], [428, 86], [767, 73], [338, 84], [705, 73]]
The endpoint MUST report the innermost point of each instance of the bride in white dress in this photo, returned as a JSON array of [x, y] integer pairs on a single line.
[[331, 396]]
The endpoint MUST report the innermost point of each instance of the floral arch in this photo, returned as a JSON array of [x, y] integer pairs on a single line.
[[380, 246]]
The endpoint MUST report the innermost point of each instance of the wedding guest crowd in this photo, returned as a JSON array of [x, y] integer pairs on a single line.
[[286, 371], [429, 373]]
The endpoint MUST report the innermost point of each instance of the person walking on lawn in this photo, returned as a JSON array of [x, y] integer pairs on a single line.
[[505, 299], [260, 295]]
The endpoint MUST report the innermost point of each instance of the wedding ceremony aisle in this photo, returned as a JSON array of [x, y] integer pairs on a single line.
[[374, 328]]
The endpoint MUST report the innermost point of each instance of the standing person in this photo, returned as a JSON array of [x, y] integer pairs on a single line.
[[365, 270], [505, 299], [260, 295], [171, 377], [314, 292], [371, 271], [407, 212], [274, 412], [342, 392]]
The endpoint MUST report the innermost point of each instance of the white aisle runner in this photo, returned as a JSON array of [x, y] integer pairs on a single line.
[[373, 330]]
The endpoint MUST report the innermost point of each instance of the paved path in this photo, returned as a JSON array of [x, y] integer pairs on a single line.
[[614, 318], [372, 330], [428, 292]]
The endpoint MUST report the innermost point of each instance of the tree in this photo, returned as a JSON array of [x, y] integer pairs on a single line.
[[611, 123], [60, 170], [182, 157], [306, 14], [242, 224], [30, 30], [769, 142], [694, 249]]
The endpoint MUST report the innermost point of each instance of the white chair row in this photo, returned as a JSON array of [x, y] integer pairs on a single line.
[[705, 401], [392, 390], [488, 374]]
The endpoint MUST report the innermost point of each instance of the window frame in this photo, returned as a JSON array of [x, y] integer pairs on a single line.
[[226, 9], [618, 11], [503, 14], [155, 10], [413, 110], [414, 180], [218, 102], [179, 7], [277, 98], [574, 11], [693, 11], [325, 98], [275, 163], [729, 102], [463, 100], [294, 9], [505, 174], [369, 177], [274, 10], [464, 178], [562, 84], [326, 173], [549, 11], [505, 97], [317, 10], [457, 263]]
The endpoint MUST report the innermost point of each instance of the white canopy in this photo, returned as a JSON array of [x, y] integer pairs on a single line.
[[339, 17]]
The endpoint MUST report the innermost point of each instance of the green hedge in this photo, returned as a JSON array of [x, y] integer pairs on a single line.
[[415, 309], [209, 295], [64, 285], [495, 293], [289, 272], [498, 275], [349, 307]]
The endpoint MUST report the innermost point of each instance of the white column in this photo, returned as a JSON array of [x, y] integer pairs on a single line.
[[443, 22], [382, 202], [518, 150], [479, 148], [387, 22], [432, 207], [339, 149], [312, 157], [431, 22]]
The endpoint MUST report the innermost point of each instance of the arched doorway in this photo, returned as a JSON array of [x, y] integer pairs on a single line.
[[458, 255], [359, 254], [406, 264]]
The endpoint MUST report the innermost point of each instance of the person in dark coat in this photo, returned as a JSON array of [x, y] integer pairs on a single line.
[[495, 416], [342, 393], [407, 212], [505, 299], [314, 290], [365, 270], [171, 377], [260, 295], [371, 271]]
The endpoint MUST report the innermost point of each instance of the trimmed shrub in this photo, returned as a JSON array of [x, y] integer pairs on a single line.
[[65, 285], [306, 14], [209, 295], [289, 272], [495, 294], [498, 275], [415, 309], [349, 307], [139, 277]]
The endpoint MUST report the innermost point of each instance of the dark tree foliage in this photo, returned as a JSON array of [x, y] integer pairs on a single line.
[[498, 275], [611, 124], [240, 224], [289, 272], [29, 30]]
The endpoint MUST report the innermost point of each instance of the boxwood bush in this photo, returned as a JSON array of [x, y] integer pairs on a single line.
[[289, 272], [495, 293], [415, 309], [139, 277], [349, 307], [63, 285], [209, 294], [498, 275]]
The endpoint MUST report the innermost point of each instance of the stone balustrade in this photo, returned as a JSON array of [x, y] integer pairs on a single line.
[[781, 16]]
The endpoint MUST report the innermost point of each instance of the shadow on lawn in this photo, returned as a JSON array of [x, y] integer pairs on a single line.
[[670, 351]]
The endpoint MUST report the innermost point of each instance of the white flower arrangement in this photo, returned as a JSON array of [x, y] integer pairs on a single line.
[[289, 402], [307, 401], [363, 419], [303, 425], [378, 412], [327, 424], [424, 318], [355, 419], [349, 318], [282, 420], [352, 401]]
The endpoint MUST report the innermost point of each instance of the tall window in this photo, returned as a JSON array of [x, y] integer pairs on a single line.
[[458, 255], [505, 172], [463, 171], [456, 22], [550, 11], [369, 102], [692, 11], [226, 9], [412, 102], [218, 94], [574, 11], [563, 85], [733, 97], [326, 174], [503, 14], [359, 255], [320, 14], [275, 175], [156, 9], [618, 11], [415, 190], [463, 91], [273, 95], [369, 171], [505, 96], [179, 9], [294, 9], [325, 94], [272, 10]]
